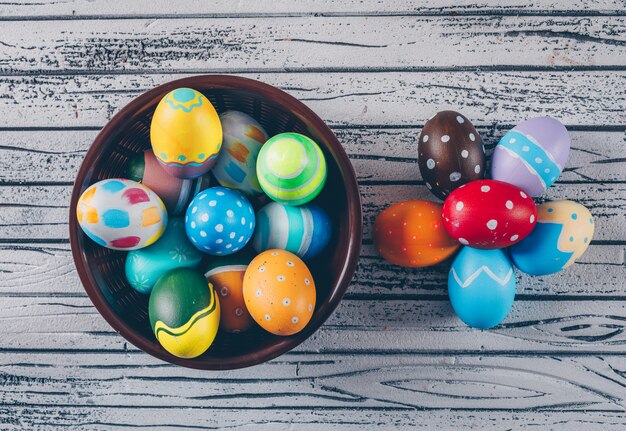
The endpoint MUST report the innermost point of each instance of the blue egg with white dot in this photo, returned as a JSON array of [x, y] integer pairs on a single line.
[[219, 221]]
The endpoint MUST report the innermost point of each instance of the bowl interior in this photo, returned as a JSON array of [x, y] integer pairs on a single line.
[[128, 134]]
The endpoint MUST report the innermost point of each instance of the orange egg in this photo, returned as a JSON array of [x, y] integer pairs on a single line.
[[411, 234], [279, 292]]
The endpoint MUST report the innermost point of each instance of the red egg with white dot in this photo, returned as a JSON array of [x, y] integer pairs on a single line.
[[489, 214], [279, 292]]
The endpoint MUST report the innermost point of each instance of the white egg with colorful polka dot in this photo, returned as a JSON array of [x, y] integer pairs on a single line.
[[219, 221]]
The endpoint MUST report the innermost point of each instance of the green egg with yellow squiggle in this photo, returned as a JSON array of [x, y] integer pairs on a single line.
[[184, 312]]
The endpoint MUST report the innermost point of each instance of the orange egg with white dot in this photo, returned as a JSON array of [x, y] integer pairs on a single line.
[[279, 292], [411, 234]]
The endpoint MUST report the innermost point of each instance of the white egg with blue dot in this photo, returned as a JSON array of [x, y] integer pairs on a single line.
[[219, 221]]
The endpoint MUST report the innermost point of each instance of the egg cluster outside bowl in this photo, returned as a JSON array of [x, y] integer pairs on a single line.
[[101, 270]]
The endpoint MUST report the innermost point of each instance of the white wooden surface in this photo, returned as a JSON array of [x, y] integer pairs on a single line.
[[393, 356]]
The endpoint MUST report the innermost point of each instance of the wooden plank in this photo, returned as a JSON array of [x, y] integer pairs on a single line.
[[41, 212], [377, 154], [97, 8], [47, 270], [363, 326], [394, 382], [402, 98], [279, 44], [75, 418]]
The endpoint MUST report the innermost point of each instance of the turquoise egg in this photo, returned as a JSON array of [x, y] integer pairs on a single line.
[[562, 234], [173, 250], [481, 286], [303, 230]]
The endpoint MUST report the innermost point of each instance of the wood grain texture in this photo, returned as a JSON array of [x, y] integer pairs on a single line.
[[41, 212], [586, 98], [47, 270], [394, 382], [98, 8], [378, 154], [358, 326], [288, 44]]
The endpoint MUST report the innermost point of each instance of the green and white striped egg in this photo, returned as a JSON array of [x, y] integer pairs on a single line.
[[291, 168]]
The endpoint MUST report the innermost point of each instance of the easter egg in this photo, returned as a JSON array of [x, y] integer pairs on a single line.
[[219, 221], [173, 250], [236, 163], [411, 234], [279, 292], [563, 233], [186, 133], [450, 153], [184, 312], [489, 214], [304, 230], [532, 155], [481, 286], [121, 214], [226, 276], [175, 192], [291, 168]]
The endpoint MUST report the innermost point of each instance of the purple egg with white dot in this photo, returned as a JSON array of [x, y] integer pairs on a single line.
[[532, 155], [219, 221]]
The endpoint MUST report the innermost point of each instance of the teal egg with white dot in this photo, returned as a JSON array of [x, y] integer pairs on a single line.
[[291, 169], [173, 250], [219, 221]]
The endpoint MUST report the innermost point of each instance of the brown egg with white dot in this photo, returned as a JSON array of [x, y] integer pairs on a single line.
[[279, 292], [450, 153]]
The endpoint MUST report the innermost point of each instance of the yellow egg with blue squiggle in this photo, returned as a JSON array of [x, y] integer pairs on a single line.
[[562, 234], [186, 133], [184, 312]]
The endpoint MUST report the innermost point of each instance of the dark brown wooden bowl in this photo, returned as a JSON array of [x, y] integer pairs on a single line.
[[101, 270]]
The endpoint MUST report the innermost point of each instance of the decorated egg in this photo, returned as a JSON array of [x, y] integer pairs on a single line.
[[279, 292], [563, 232], [186, 133], [532, 155], [304, 230], [173, 250], [411, 234], [184, 312], [450, 153], [219, 221], [236, 163], [291, 168], [175, 192], [226, 276], [489, 214], [121, 214], [481, 286]]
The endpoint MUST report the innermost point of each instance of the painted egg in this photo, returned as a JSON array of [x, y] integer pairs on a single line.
[[532, 155], [173, 250], [236, 164], [489, 214], [481, 286], [219, 221], [121, 214], [410, 234], [184, 312], [226, 275], [563, 233], [175, 192], [304, 230], [291, 168], [279, 292], [186, 133], [450, 153]]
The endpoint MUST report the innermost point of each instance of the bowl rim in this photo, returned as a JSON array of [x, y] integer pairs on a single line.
[[354, 208]]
